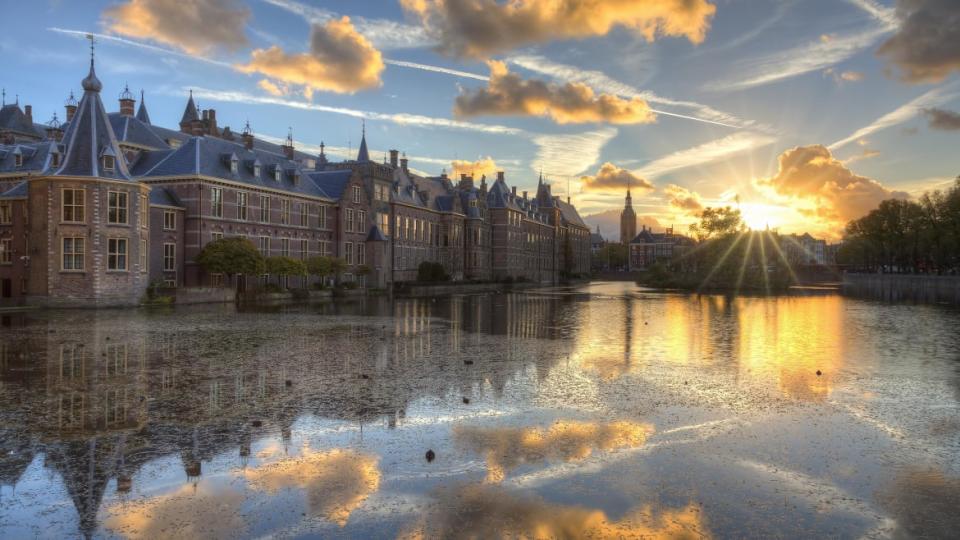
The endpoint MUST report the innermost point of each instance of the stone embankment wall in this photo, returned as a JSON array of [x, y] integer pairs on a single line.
[[900, 287]]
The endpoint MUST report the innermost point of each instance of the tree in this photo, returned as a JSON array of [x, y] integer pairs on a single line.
[[716, 222], [337, 267], [429, 272], [285, 266], [231, 256], [320, 266]]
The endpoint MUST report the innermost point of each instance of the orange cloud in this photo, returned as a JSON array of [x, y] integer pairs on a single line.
[[340, 60], [188, 512], [336, 481], [271, 87], [507, 448], [837, 195], [484, 166], [925, 45], [492, 512], [682, 199], [196, 26], [613, 178], [570, 103], [482, 28]]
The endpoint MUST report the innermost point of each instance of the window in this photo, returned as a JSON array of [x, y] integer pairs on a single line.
[[277, 174], [303, 249], [55, 159], [117, 207], [265, 246], [216, 280], [361, 221], [385, 224], [285, 247], [109, 163], [399, 229], [322, 216], [143, 255], [303, 214], [6, 251], [73, 205], [216, 202], [144, 212], [349, 220], [169, 257], [361, 253], [324, 248], [242, 205], [234, 165], [264, 209], [6, 212], [348, 252], [256, 169], [117, 254], [284, 211], [216, 235], [356, 194], [169, 220]]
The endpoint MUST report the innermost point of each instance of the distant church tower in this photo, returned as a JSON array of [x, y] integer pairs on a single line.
[[628, 221]]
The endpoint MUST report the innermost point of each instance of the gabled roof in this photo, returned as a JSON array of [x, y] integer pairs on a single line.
[[134, 131], [569, 213], [376, 235], [89, 136], [14, 119], [500, 196], [142, 111], [331, 182], [34, 157]]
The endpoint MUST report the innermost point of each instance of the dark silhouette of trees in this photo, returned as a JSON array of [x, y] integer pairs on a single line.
[[902, 236]]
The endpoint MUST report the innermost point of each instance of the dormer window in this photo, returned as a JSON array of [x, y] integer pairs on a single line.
[[109, 163], [256, 169], [234, 165], [55, 159], [277, 174], [18, 159], [295, 174]]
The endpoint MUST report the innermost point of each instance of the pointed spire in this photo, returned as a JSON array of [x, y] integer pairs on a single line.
[[142, 114], [190, 112], [363, 155], [91, 83]]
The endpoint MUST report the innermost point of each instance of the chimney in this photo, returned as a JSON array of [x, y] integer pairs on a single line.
[[126, 102], [513, 191], [70, 106], [499, 176], [403, 164], [28, 111], [212, 122], [394, 156], [524, 195]]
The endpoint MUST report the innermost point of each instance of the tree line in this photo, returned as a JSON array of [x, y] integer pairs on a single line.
[[905, 236]]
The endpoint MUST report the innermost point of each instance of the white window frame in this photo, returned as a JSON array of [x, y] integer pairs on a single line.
[[265, 246], [169, 257], [265, 209], [243, 200], [169, 220], [216, 202], [115, 257], [6, 251], [6, 212]]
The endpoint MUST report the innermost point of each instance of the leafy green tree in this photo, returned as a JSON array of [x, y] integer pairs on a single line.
[[337, 267], [285, 266], [716, 222], [231, 256], [320, 266]]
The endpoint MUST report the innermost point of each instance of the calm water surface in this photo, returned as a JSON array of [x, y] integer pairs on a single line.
[[598, 411]]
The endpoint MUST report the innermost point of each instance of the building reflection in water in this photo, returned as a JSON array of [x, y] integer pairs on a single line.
[[101, 394]]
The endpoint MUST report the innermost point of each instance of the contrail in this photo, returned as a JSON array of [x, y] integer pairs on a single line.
[[138, 44], [437, 69]]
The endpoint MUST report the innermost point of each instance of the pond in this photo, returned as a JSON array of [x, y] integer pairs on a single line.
[[603, 410]]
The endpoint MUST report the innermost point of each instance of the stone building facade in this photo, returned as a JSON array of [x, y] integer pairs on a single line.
[[97, 208]]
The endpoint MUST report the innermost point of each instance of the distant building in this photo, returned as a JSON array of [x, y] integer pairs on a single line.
[[628, 220], [596, 241], [648, 247], [803, 249]]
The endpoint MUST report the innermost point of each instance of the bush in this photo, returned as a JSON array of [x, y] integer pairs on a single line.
[[431, 272], [350, 285], [230, 256], [273, 288]]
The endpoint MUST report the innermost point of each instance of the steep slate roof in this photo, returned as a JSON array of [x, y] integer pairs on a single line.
[[14, 119], [190, 112], [210, 156], [142, 111], [133, 131], [331, 182], [35, 157], [90, 136], [363, 155], [500, 196], [569, 213], [376, 235], [161, 196], [405, 190]]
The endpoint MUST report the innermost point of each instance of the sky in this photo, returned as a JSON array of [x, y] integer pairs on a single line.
[[805, 114]]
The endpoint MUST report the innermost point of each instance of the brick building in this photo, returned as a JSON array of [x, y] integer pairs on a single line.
[[94, 210]]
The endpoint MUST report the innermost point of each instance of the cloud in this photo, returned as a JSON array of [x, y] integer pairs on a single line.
[[925, 48], [196, 26], [707, 152], [481, 28], [942, 119], [934, 97], [867, 153], [484, 166], [570, 103], [613, 178], [138, 45], [840, 77], [382, 33], [603, 83], [272, 88], [487, 511], [570, 154], [834, 193], [682, 199], [404, 119], [340, 60]]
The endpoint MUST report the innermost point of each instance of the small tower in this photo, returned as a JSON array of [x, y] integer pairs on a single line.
[[628, 220], [363, 156], [142, 110], [288, 144], [70, 106], [247, 136], [127, 101]]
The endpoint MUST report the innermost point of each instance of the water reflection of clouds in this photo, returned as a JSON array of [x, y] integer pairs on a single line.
[[204, 510], [484, 511], [506, 448]]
